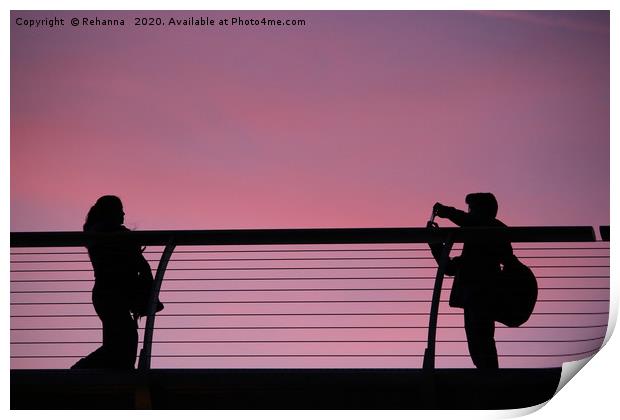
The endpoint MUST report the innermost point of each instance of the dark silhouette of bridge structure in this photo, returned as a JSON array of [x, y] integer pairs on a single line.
[[310, 319]]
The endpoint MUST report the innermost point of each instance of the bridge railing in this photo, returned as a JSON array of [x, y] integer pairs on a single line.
[[309, 297]]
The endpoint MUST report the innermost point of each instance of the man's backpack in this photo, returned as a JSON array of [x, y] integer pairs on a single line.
[[516, 291]]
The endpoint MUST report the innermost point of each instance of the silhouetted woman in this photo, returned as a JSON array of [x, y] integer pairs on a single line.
[[117, 266], [475, 270]]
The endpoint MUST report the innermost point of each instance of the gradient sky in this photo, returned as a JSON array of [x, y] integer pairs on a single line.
[[357, 119]]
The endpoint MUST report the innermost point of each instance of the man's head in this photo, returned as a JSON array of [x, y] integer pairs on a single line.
[[482, 204]]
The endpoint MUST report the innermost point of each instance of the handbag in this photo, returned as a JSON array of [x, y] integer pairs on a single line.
[[142, 294]]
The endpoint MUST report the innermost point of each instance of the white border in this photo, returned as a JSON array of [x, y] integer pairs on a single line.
[[592, 394]]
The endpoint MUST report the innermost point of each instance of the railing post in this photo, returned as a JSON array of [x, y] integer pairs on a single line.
[[144, 363], [604, 233], [429, 353]]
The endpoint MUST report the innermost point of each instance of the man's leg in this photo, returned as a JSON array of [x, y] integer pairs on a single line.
[[480, 331]]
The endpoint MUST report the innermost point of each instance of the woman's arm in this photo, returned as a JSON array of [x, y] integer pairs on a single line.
[[144, 268]]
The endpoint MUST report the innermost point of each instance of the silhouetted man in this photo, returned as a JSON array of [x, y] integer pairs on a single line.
[[475, 270]]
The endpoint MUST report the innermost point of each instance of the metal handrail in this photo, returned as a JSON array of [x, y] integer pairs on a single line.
[[306, 236], [171, 239]]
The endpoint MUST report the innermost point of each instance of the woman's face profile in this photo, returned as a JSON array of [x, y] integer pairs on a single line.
[[115, 213], [120, 215]]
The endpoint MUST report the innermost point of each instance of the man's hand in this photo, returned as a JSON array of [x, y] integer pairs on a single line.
[[439, 209]]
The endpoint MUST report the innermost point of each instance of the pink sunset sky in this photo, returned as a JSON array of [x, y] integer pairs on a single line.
[[357, 119]]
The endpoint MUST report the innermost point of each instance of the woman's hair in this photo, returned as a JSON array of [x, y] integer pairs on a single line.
[[107, 211]]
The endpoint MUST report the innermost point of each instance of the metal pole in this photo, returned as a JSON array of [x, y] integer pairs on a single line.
[[429, 353], [144, 364]]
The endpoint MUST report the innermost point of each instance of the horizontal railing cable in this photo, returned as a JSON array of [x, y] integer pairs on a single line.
[[562, 277], [240, 302], [312, 341], [296, 314], [301, 259]]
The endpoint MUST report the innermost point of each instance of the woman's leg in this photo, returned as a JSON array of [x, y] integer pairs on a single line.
[[98, 359], [120, 337]]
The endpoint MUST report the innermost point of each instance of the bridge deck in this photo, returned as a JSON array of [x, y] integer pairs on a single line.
[[283, 389]]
